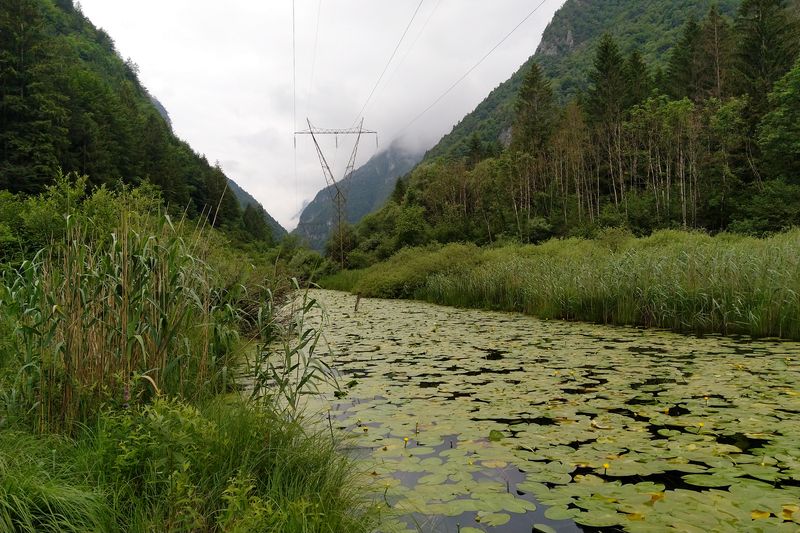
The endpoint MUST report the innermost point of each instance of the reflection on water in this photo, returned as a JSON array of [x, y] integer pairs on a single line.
[[502, 422]]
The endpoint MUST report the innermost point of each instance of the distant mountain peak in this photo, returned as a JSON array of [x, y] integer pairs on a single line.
[[367, 189]]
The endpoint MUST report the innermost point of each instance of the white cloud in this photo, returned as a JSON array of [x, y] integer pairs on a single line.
[[224, 72]]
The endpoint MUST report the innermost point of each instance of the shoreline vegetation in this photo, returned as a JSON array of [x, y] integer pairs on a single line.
[[687, 282], [125, 336]]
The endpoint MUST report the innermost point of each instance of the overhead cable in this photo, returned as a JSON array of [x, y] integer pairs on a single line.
[[391, 58], [314, 56], [472, 69]]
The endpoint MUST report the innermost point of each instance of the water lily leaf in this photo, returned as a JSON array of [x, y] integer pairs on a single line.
[[709, 480], [434, 479], [560, 513], [495, 436], [599, 519], [493, 519], [763, 472], [697, 433]]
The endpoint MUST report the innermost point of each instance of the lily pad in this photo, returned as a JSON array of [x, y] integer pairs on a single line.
[[610, 427]]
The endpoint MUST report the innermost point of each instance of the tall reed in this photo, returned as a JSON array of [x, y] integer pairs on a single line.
[[118, 318], [688, 282]]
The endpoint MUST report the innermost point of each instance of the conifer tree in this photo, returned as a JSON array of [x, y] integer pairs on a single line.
[[638, 79], [607, 97], [779, 132], [32, 114], [768, 43], [608, 90], [535, 112], [716, 47], [684, 64], [475, 150], [255, 223]]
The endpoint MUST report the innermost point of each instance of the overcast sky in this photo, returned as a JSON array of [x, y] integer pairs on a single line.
[[224, 72]]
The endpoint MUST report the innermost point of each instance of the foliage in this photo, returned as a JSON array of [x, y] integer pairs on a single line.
[[122, 306], [282, 378], [41, 491], [407, 272], [226, 467], [779, 133], [169, 466], [67, 100], [566, 53], [633, 151], [121, 342], [687, 282], [534, 112], [768, 44]]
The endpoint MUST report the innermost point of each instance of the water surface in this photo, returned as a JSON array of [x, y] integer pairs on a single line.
[[477, 421]]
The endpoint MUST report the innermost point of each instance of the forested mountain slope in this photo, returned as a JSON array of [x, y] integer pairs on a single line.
[[68, 101], [247, 201], [366, 190], [566, 51], [704, 138], [565, 54]]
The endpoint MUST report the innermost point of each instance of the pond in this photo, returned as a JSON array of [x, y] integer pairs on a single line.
[[477, 421]]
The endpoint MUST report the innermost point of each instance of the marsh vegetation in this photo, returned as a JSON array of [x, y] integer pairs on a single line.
[[687, 282], [122, 343]]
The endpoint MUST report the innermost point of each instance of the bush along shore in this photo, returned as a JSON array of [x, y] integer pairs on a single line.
[[684, 281], [121, 347]]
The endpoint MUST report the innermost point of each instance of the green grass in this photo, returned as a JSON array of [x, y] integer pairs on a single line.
[[169, 466], [41, 491], [405, 273], [344, 280], [687, 282], [120, 343]]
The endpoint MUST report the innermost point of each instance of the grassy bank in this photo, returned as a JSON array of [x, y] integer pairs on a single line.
[[121, 343], [170, 466], [687, 282]]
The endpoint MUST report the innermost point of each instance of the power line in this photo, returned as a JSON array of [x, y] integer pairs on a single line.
[[394, 53], [314, 57], [294, 64], [294, 100], [416, 39], [472, 69]]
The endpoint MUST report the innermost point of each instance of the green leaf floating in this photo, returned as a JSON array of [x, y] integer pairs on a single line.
[[609, 427], [495, 436], [493, 519]]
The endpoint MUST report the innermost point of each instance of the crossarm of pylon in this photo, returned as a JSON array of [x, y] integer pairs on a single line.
[[312, 130]]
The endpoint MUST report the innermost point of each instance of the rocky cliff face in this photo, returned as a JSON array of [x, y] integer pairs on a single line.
[[557, 44]]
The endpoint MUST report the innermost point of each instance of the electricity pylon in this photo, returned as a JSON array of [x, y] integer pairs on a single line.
[[336, 191]]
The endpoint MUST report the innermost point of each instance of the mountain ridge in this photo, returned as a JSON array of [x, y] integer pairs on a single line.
[[69, 101], [366, 190], [245, 198], [565, 54]]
